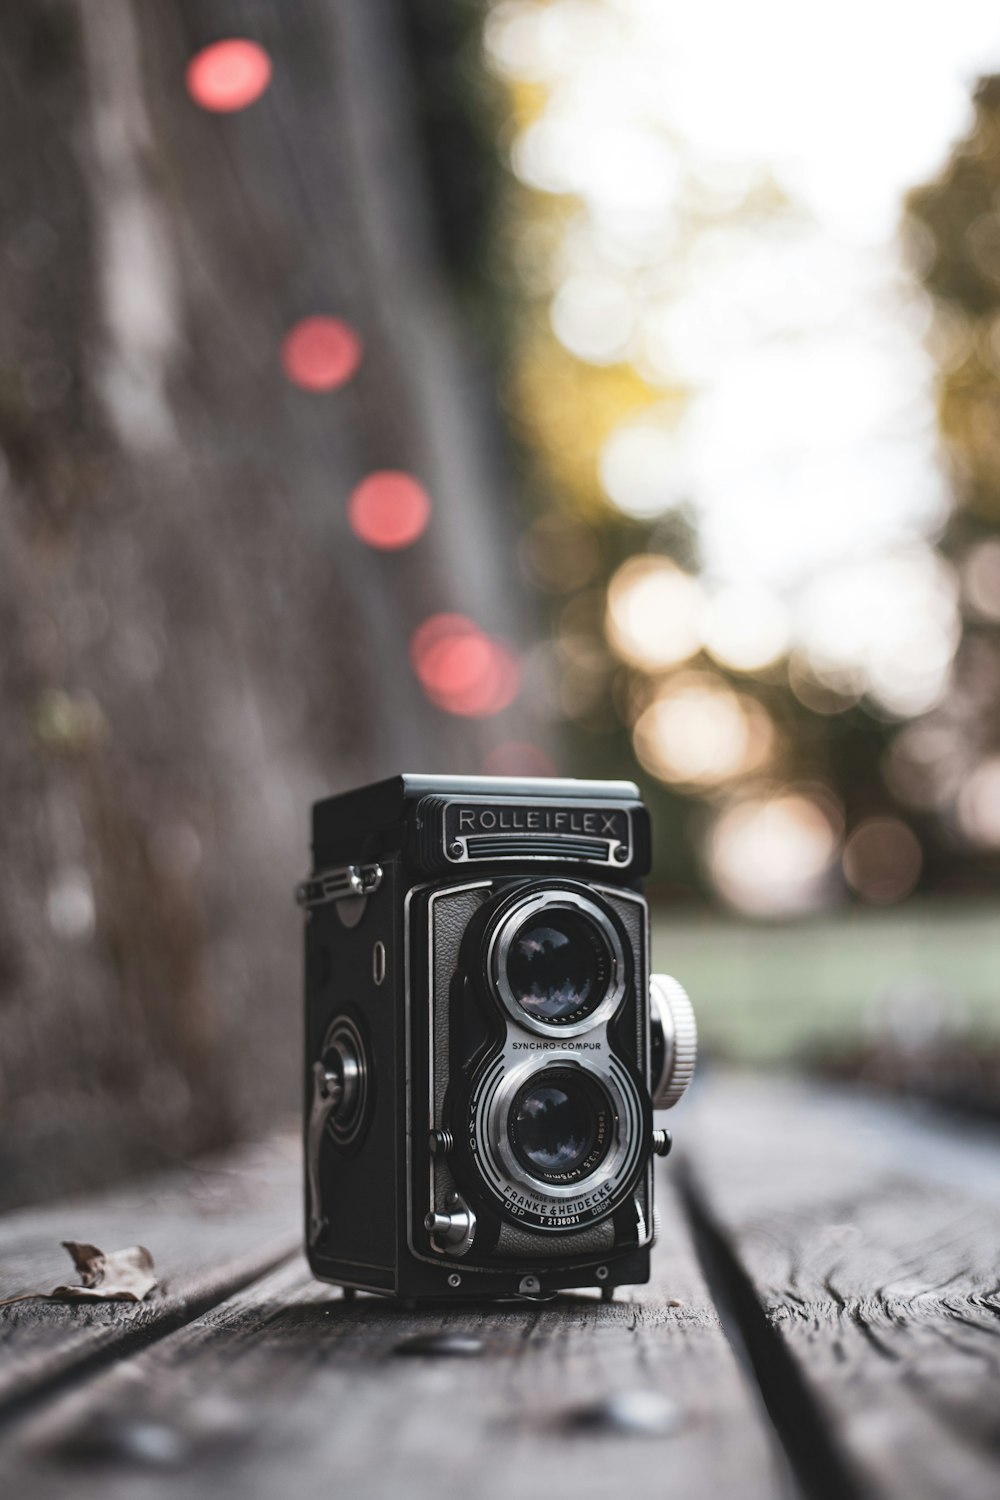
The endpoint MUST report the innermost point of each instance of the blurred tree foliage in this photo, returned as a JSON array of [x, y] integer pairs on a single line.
[[561, 409], [953, 235], [955, 245]]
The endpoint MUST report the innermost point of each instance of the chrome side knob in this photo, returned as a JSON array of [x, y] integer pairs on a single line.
[[337, 1105], [452, 1228], [454, 1231], [674, 1040]]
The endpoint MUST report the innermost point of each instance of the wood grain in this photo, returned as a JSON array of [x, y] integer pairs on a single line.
[[871, 1238], [851, 1246], [210, 1229], [287, 1388]]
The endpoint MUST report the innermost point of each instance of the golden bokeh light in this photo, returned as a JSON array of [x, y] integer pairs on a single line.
[[566, 409], [724, 368], [834, 694], [745, 628], [773, 856], [697, 732], [639, 469], [654, 613]]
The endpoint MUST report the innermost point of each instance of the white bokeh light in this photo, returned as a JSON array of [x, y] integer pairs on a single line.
[[981, 578], [807, 446], [624, 173], [697, 732], [979, 804], [538, 43], [745, 627], [772, 856], [593, 317], [893, 620], [654, 613], [640, 470], [69, 903], [807, 454]]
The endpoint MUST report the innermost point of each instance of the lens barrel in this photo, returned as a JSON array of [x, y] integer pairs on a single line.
[[561, 1125], [558, 967], [557, 962]]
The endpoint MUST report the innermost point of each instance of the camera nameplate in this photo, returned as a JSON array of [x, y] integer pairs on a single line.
[[473, 830]]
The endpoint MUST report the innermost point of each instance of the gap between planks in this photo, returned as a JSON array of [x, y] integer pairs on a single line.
[[774, 1172], [286, 1385], [214, 1227], [855, 1241]]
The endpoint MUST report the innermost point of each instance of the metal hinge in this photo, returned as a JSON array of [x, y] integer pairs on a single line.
[[336, 885]]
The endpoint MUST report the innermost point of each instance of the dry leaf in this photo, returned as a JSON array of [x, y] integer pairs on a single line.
[[121, 1276]]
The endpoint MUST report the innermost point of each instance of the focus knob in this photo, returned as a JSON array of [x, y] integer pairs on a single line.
[[674, 1040]]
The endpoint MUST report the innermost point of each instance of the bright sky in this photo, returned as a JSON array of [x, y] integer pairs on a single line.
[[808, 450]]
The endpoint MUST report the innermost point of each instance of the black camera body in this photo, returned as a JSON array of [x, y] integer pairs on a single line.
[[484, 1047]]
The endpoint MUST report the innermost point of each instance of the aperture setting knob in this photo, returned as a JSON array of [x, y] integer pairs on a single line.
[[674, 1035]]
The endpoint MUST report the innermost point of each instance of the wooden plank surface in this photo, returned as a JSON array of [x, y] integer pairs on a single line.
[[287, 1388], [851, 1246], [870, 1236], [211, 1228]]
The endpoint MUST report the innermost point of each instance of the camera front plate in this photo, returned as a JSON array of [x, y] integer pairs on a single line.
[[560, 1217]]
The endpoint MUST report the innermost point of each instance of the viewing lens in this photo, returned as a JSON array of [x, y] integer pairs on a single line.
[[558, 967], [560, 1126]]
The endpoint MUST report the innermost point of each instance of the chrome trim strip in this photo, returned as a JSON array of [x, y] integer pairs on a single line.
[[546, 836], [417, 890], [337, 884]]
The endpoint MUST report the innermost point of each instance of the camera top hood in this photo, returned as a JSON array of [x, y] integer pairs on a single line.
[[442, 823]]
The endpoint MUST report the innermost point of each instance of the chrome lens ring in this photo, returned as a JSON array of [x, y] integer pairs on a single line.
[[553, 902], [533, 1200]]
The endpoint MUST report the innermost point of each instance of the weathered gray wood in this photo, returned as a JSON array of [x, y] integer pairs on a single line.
[[211, 1228], [288, 1389], [853, 1248], [871, 1237]]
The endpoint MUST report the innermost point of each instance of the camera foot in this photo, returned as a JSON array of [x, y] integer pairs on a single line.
[[349, 1292], [607, 1294]]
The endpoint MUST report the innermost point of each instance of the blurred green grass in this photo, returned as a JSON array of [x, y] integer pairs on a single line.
[[777, 992]]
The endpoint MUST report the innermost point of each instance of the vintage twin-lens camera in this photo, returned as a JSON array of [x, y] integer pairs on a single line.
[[485, 1048]]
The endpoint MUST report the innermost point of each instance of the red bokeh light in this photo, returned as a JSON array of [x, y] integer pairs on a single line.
[[320, 354], [434, 630], [518, 758], [389, 510], [461, 669], [228, 75]]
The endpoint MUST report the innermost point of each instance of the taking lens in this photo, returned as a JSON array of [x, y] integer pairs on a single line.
[[558, 966], [560, 1126]]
